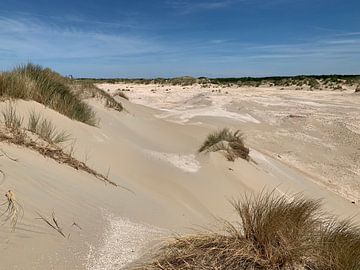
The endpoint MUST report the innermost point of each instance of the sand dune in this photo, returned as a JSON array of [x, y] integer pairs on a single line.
[[151, 150]]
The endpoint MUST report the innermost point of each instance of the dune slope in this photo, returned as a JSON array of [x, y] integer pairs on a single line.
[[165, 186]]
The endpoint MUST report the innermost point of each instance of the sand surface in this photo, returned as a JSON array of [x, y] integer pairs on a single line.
[[300, 142]]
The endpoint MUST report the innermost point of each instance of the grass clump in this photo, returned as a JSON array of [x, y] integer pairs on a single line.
[[45, 129], [231, 143], [33, 82], [45, 144], [357, 90], [11, 120], [272, 233], [122, 95], [87, 89]]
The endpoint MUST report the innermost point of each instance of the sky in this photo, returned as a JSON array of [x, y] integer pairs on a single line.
[[169, 38]]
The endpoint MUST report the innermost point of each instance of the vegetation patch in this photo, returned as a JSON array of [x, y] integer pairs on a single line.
[[121, 94], [87, 89], [45, 129], [272, 233], [12, 132], [231, 143], [33, 82], [311, 81]]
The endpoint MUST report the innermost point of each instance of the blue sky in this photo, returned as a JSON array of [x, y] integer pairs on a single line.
[[167, 38]]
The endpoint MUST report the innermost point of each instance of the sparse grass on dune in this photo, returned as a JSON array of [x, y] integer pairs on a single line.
[[225, 140], [122, 95], [33, 82], [45, 129], [273, 233], [87, 89], [11, 120], [48, 136], [52, 151]]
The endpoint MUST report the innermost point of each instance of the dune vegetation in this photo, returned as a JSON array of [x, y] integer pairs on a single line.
[[33, 82], [272, 233], [86, 89], [64, 95], [41, 136], [45, 129], [314, 82], [231, 143]]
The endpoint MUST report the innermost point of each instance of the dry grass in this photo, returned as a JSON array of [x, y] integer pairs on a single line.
[[121, 94], [357, 90], [53, 223], [33, 82], [52, 151], [45, 129], [339, 246], [273, 233], [13, 211], [88, 90], [231, 143], [11, 120]]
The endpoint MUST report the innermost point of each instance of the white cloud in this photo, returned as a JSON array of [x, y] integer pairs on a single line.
[[187, 6], [33, 39]]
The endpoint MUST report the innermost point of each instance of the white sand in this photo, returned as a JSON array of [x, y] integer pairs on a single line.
[[187, 163], [151, 149]]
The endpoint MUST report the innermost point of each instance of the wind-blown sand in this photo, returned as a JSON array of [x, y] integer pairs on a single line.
[[300, 142]]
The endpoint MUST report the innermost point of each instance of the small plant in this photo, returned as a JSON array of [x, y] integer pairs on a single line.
[[122, 95], [225, 140], [11, 120], [14, 210], [357, 90], [88, 90], [45, 129]]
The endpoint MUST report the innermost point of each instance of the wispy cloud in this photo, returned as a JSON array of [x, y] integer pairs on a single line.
[[33, 39], [188, 6]]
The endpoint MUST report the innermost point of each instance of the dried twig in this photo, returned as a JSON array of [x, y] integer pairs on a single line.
[[14, 210], [54, 225], [6, 155], [76, 225]]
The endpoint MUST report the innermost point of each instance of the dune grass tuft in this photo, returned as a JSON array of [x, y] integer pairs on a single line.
[[33, 82], [357, 90], [87, 89], [272, 233], [11, 120], [232, 143], [45, 129], [121, 94]]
